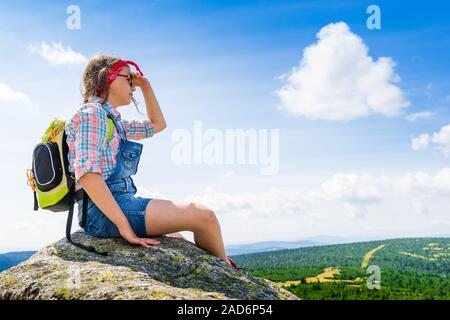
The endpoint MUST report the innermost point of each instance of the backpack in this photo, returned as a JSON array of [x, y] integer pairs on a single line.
[[52, 184]]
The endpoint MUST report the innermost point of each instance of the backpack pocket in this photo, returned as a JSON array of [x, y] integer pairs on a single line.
[[47, 167]]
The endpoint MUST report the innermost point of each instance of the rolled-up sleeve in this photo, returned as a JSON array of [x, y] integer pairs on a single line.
[[138, 129], [90, 134]]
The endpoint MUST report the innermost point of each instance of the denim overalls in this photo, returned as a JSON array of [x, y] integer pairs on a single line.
[[123, 189]]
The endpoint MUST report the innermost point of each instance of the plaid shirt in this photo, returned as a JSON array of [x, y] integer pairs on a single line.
[[87, 131]]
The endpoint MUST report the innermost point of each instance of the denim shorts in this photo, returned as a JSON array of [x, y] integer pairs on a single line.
[[99, 225]]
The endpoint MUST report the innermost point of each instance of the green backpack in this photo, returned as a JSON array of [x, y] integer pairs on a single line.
[[52, 184]]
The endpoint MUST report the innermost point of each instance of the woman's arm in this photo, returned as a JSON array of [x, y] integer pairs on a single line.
[[154, 113], [100, 194]]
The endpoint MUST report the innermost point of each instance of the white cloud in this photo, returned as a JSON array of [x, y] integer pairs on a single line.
[[370, 189], [421, 142], [57, 54], [357, 211], [440, 139], [337, 80], [268, 204], [423, 184], [353, 192], [10, 99], [352, 188], [229, 174], [345, 203], [421, 208], [419, 115], [145, 193], [348, 194]]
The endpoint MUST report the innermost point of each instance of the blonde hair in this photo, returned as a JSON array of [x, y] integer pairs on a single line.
[[94, 76]]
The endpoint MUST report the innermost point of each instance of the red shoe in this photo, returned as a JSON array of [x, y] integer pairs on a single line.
[[233, 264]]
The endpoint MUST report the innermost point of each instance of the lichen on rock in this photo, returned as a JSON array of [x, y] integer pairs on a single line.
[[175, 269]]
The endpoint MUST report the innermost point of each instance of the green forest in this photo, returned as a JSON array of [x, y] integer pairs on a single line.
[[408, 269]]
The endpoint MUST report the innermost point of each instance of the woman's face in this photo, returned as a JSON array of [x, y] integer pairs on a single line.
[[120, 91]]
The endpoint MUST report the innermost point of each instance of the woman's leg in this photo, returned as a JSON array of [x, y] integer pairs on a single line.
[[165, 217]]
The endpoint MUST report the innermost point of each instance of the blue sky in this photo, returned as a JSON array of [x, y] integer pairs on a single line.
[[220, 62]]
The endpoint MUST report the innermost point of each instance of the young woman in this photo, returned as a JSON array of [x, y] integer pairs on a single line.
[[103, 165]]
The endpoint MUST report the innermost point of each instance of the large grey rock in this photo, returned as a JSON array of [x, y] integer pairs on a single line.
[[175, 269]]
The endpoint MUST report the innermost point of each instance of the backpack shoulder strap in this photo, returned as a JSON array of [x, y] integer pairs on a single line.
[[110, 128], [120, 129], [69, 226]]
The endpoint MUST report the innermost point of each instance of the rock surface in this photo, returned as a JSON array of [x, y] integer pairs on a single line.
[[175, 269]]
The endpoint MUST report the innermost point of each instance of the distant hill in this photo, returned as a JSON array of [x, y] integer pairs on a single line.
[[265, 246], [413, 268], [269, 246], [10, 259]]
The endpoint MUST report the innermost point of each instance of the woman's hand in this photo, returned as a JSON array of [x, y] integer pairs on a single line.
[[139, 81], [129, 235]]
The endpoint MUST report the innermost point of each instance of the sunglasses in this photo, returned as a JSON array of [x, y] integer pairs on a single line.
[[129, 76]]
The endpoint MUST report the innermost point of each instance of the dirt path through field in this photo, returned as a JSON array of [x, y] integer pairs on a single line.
[[366, 259]]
